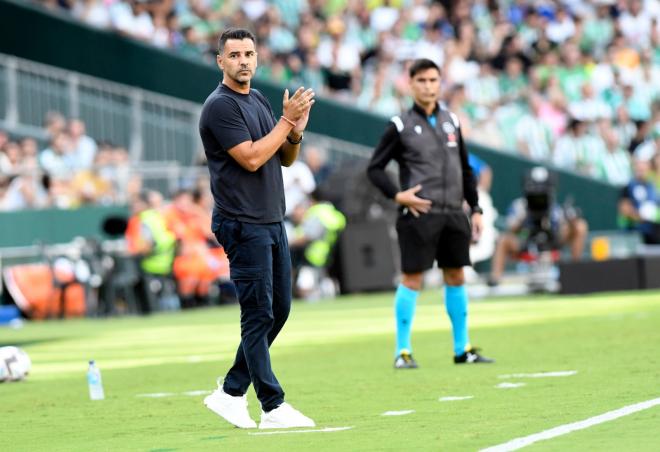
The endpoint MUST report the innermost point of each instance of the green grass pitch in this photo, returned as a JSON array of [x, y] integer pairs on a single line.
[[334, 360]]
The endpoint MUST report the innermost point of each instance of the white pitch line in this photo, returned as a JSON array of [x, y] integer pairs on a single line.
[[322, 430], [559, 373], [519, 443], [196, 393], [157, 395], [454, 398], [397, 413], [507, 385]]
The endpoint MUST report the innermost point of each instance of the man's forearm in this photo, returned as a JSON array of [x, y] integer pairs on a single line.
[[289, 151], [267, 146], [252, 156]]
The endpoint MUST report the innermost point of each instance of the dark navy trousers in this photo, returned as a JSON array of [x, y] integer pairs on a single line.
[[260, 266]]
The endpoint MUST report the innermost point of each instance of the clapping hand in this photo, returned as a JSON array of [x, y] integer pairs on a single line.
[[296, 108]]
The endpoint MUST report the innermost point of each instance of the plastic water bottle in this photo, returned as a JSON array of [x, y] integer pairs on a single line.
[[94, 382]]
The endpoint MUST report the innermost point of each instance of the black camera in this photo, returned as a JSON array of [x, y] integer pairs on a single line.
[[539, 186]]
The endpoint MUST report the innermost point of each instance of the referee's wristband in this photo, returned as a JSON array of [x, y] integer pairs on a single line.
[[288, 138], [477, 209]]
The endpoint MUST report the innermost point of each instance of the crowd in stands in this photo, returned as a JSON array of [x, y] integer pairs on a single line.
[[69, 170], [574, 82]]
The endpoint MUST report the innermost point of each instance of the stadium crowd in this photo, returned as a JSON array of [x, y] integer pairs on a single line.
[[70, 170], [548, 79]]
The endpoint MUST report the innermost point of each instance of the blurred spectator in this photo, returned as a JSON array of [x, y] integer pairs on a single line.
[[196, 266], [91, 187], [588, 107], [11, 158], [316, 159], [57, 158], [572, 150], [624, 127], [635, 24], [30, 153], [614, 165], [533, 135], [485, 246], [28, 191], [153, 245], [650, 147], [83, 147], [298, 184], [93, 12], [553, 113], [60, 191], [317, 226], [4, 139], [639, 206], [339, 58], [54, 123]]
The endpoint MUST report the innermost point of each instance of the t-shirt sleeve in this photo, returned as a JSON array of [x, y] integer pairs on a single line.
[[227, 123]]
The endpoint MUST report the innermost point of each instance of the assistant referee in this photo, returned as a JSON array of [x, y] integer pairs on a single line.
[[435, 180]]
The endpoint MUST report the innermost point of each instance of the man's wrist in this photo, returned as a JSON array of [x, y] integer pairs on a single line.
[[294, 137], [477, 209], [288, 121]]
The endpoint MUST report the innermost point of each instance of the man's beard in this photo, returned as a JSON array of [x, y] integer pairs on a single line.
[[243, 79]]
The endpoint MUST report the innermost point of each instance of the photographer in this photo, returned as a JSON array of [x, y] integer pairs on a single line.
[[639, 204], [536, 223]]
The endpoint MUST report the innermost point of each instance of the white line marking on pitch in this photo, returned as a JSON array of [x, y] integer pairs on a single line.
[[157, 395], [322, 430], [560, 373], [507, 385], [397, 413], [196, 393], [519, 443], [454, 398]]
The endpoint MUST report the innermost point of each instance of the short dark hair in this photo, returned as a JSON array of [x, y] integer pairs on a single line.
[[420, 65], [234, 33]]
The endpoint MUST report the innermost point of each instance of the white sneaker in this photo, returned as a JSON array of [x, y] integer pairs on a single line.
[[285, 416], [232, 409]]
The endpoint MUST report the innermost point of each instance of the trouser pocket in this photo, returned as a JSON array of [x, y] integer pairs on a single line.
[[250, 286]]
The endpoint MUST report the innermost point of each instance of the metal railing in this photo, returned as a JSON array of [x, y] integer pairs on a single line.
[[153, 127]]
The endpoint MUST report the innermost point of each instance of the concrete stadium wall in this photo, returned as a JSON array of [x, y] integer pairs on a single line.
[[32, 33]]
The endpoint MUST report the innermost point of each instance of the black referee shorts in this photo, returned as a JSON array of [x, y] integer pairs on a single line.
[[444, 237]]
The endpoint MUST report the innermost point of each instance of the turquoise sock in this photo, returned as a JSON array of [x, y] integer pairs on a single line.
[[456, 302], [405, 302]]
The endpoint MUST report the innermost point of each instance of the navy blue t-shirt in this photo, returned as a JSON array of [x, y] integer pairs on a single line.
[[229, 118]]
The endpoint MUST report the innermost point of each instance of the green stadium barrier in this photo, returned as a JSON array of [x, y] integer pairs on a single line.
[[597, 200], [49, 226], [57, 40]]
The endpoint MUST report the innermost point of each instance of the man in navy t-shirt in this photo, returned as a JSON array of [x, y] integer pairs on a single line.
[[245, 146]]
